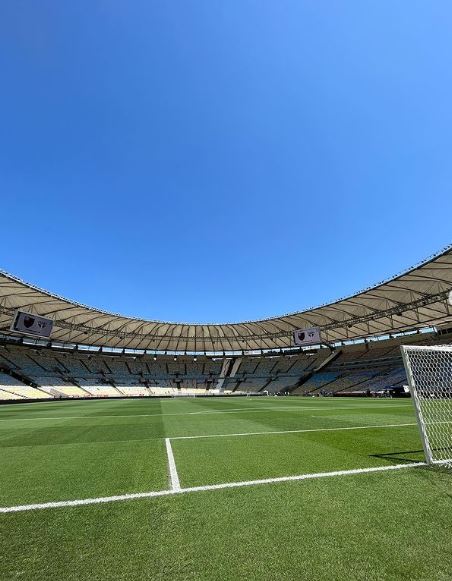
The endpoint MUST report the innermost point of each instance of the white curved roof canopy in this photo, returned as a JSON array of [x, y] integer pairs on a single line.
[[417, 298]]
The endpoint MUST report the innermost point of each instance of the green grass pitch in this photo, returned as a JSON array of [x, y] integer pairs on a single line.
[[380, 525]]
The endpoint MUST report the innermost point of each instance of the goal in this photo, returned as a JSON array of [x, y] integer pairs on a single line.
[[429, 373]]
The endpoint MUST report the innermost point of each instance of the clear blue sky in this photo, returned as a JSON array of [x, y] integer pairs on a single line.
[[222, 160]]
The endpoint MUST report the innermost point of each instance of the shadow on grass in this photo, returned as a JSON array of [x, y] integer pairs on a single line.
[[407, 456]]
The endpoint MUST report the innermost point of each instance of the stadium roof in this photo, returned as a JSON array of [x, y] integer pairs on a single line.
[[417, 298]]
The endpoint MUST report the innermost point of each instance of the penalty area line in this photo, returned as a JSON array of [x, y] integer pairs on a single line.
[[174, 491], [302, 431]]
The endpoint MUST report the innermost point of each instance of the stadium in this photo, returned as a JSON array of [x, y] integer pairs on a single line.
[[165, 438], [94, 354]]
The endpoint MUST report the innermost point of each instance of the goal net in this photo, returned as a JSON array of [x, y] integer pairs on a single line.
[[429, 373]]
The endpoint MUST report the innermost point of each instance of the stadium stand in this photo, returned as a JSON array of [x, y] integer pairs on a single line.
[[32, 372], [316, 382]]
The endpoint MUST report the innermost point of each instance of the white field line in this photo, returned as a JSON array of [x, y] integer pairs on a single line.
[[153, 494], [231, 411], [174, 477], [292, 431]]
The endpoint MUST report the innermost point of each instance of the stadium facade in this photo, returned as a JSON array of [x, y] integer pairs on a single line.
[[93, 353]]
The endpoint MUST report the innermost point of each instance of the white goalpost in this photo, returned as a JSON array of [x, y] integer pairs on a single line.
[[429, 373]]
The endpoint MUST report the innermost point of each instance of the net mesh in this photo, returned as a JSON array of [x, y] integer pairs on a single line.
[[429, 372]]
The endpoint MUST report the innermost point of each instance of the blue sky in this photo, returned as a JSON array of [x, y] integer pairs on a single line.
[[212, 161]]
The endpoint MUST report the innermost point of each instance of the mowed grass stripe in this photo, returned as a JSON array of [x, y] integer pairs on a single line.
[[119, 428], [34, 472], [42, 474], [95, 407], [227, 435], [226, 411], [103, 427]]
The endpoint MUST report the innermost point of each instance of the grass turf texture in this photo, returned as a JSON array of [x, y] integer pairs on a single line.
[[394, 525]]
